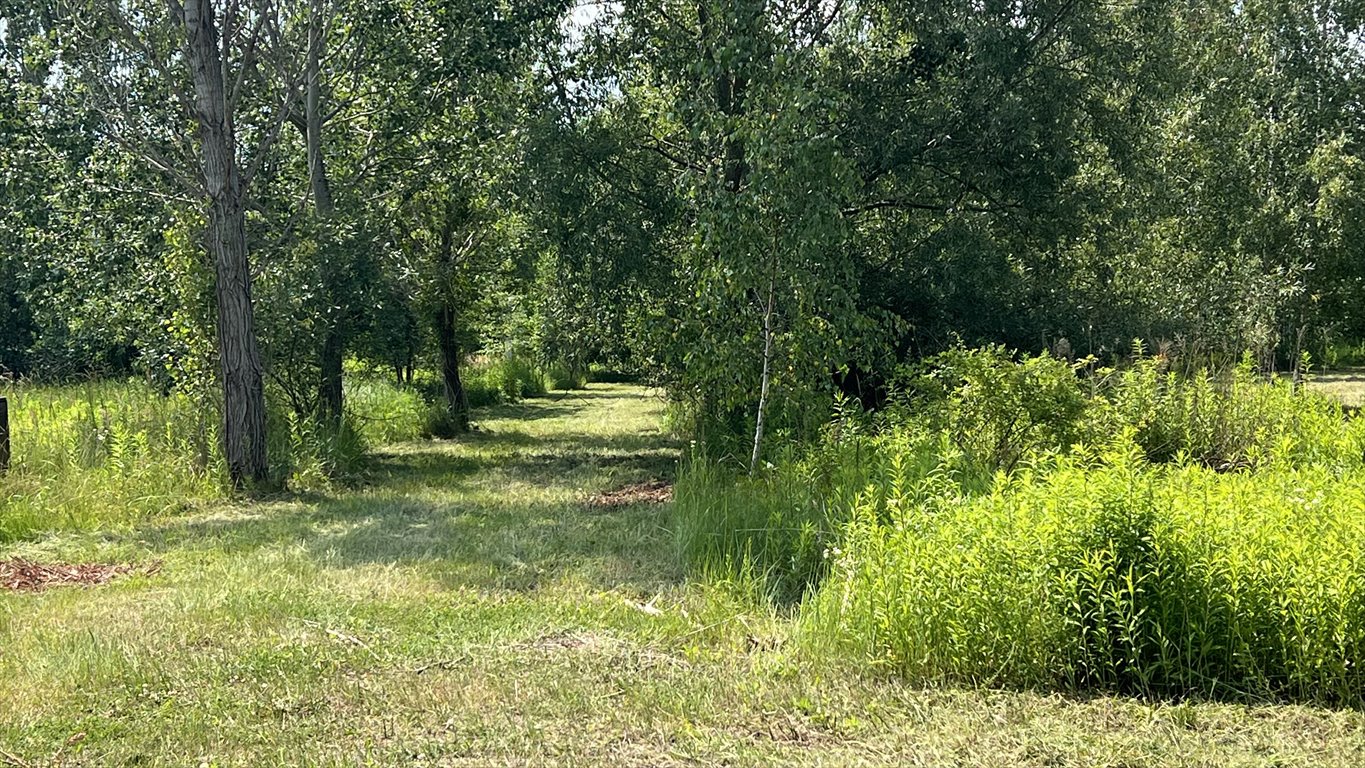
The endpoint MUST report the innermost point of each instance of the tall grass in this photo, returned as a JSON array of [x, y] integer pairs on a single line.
[[104, 454], [383, 413], [1127, 530], [1118, 575], [1233, 421], [503, 378], [107, 455], [771, 530]]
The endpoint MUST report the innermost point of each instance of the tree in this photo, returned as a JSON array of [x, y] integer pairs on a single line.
[[211, 60], [446, 136]]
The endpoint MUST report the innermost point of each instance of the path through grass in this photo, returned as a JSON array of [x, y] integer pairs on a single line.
[[466, 606]]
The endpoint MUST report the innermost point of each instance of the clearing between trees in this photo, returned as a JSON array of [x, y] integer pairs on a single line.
[[498, 600]]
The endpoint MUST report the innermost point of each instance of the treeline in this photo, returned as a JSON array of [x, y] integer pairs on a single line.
[[746, 201]]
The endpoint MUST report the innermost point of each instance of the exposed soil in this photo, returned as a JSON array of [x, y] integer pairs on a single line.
[[650, 492], [21, 575]]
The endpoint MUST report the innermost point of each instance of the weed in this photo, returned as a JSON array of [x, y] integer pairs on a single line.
[[1017, 524], [465, 606]]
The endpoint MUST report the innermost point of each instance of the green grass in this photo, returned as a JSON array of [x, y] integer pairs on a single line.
[[104, 456], [1346, 385], [462, 605]]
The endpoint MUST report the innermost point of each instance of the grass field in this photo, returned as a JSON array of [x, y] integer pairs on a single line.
[[1347, 385], [465, 605]]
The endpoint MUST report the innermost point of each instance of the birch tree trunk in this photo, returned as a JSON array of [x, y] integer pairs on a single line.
[[767, 374]]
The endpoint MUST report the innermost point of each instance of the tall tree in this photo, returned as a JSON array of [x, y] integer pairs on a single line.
[[217, 62]]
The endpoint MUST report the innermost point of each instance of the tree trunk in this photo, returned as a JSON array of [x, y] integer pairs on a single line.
[[731, 84], [244, 430], [330, 396], [456, 400], [730, 94], [767, 374], [312, 107], [330, 401]]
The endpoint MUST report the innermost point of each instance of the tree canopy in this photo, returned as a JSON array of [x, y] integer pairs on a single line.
[[747, 202]]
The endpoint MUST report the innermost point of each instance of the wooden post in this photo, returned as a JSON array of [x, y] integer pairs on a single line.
[[4, 435]]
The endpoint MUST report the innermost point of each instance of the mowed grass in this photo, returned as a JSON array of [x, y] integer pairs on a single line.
[[466, 606], [1347, 385]]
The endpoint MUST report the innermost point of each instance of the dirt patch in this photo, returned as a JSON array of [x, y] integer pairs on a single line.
[[650, 492], [19, 575], [570, 641]]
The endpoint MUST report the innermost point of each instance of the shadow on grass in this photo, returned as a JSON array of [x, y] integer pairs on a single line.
[[495, 510], [533, 410]]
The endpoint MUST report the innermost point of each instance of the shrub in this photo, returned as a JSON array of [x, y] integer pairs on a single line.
[[1120, 576], [563, 376], [605, 375], [1344, 354], [523, 378], [779, 524], [382, 412], [502, 379], [314, 454], [438, 422], [999, 410], [1232, 421], [1033, 523]]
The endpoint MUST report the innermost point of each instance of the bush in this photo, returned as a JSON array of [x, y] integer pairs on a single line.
[[562, 376], [1035, 523], [438, 422], [1236, 420], [604, 375], [308, 455], [382, 412], [1120, 576], [997, 410], [1344, 354], [502, 379], [778, 525], [523, 378]]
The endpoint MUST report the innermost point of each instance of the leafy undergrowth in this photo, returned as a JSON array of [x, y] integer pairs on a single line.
[[468, 606], [1012, 524], [108, 455], [1115, 576]]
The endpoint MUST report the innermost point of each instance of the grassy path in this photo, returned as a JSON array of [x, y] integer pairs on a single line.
[[467, 606]]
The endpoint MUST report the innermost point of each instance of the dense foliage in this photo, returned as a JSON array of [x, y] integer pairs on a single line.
[[1012, 523], [747, 201]]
